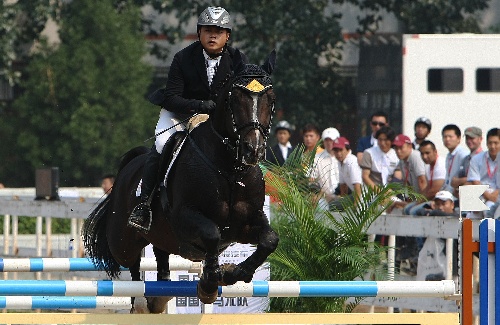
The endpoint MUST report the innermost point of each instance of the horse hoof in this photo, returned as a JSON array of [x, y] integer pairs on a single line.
[[227, 271], [206, 298], [140, 306]]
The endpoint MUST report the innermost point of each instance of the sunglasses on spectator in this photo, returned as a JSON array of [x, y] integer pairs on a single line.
[[378, 123]]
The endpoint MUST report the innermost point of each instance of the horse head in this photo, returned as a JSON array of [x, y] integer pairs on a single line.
[[245, 109]]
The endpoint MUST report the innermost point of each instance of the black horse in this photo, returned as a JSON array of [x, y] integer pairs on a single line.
[[213, 197]]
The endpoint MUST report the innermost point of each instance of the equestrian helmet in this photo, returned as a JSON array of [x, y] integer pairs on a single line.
[[215, 16], [283, 125], [424, 120]]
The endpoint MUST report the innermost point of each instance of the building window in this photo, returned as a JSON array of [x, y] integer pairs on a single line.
[[488, 80], [445, 80]]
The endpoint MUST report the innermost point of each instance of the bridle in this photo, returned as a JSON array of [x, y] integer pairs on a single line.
[[250, 83]]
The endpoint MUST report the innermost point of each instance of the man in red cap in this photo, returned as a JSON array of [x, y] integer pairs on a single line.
[[350, 179], [411, 165]]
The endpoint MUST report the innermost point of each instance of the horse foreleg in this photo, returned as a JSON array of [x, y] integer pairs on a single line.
[[157, 305], [267, 241], [196, 225]]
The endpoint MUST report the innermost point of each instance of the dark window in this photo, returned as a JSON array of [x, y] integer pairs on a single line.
[[488, 79], [445, 80]]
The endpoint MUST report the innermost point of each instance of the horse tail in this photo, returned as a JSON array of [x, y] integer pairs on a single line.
[[131, 154], [96, 241]]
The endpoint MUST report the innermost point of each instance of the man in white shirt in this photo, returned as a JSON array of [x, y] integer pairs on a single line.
[[484, 166], [473, 140], [451, 139], [350, 179], [325, 172]]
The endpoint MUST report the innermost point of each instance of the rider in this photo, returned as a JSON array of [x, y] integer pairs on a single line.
[[194, 72]]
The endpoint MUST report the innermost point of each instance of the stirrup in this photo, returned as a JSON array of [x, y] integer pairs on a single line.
[[138, 215]]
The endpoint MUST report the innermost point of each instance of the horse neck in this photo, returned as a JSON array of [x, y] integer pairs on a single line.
[[213, 147]]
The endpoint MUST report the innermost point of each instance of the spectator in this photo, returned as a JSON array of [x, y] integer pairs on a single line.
[[411, 165], [435, 168], [377, 121], [107, 182], [473, 139], [451, 139], [280, 152], [484, 166], [350, 179], [379, 162], [311, 136], [325, 172], [422, 130], [442, 205]]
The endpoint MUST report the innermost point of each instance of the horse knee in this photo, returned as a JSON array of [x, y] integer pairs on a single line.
[[210, 236], [269, 241]]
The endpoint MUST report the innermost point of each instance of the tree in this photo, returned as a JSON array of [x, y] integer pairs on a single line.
[[84, 101], [21, 24], [304, 33], [424, 17]]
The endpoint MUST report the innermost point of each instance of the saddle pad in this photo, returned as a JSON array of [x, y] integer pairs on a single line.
[[196, 120]]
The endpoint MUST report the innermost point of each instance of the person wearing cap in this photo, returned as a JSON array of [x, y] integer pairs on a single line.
[[350, 180], [325, 170], [451, 135], [473, 139], [422, 130], [280, 152], [310, 137], [442, 205], [377, 121], [379, 162], [484, 167], [411, 165], [194, 73]]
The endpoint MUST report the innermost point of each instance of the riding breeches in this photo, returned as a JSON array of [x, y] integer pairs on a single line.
[[166, 120]]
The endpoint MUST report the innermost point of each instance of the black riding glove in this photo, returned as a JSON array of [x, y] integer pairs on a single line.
[[206, 106]]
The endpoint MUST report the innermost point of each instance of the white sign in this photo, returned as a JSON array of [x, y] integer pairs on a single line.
[[470, 200]]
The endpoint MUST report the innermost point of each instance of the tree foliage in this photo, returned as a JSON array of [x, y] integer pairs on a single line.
[[84, 101], [307, 37], [424, 16]]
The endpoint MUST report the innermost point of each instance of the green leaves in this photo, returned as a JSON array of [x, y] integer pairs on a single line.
[[317, 244], [84, 101]]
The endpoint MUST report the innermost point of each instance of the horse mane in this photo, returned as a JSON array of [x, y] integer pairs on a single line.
[[131, 154]]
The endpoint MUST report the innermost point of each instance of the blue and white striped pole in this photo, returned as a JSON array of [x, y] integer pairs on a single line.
[[46, 302], [441, 289], [84, 264]]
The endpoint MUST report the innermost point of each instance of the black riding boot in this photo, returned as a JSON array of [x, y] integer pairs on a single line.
[[141, 215]]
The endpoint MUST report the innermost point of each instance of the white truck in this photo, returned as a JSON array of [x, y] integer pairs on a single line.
[[451, 79]]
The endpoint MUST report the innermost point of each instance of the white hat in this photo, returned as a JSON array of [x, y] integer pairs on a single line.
[[444, 196], [331, 133]]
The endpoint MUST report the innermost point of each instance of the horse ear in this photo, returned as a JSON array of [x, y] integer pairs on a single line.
[[270, 63], [238, 63]]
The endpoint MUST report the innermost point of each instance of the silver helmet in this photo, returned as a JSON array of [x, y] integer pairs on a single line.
[[215, 16], [424, 120]]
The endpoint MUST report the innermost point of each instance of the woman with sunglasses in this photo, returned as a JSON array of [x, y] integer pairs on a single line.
[[377, 121]]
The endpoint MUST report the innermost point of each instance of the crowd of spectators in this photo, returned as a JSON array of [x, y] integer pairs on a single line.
[[384, 157]]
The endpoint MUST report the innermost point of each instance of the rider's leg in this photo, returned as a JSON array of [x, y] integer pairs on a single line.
[[140, 217]]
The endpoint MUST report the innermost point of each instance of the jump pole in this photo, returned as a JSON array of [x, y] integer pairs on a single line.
[[442, 289], [84, 264]]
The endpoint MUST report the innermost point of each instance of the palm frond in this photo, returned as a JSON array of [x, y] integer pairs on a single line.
[[317, 244]]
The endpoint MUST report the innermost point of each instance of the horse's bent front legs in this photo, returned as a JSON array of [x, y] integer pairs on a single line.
[[195, 225], [267, 241]]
